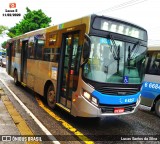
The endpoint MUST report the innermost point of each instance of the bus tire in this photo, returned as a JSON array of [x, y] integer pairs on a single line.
[[51, 99], [16, 78], [157, 108]]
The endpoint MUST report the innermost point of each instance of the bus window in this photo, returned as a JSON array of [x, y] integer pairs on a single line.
[[39, 49], [31, 48], [51, 54], [17, 48], [154, 65], [13, 48]]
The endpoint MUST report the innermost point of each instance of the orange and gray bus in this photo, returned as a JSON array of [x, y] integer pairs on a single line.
[[90, 67]]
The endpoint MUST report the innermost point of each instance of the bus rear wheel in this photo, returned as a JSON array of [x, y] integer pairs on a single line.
[[157, 108], [15, 78], [51, 99]]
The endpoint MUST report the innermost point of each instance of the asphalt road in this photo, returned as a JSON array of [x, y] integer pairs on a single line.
[[100, 130]]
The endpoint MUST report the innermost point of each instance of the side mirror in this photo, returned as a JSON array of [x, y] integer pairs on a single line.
[[86, 47]]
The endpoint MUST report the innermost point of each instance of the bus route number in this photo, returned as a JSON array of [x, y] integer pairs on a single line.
[[152, 85], [129, 100]]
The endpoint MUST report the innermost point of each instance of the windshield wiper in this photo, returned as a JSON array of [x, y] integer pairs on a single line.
[[134, 49], [132, 52], [115, 51]]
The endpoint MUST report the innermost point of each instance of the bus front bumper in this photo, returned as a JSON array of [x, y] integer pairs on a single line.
[[84, 108]]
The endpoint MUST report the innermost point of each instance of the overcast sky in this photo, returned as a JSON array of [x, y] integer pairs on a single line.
[[145, 13]]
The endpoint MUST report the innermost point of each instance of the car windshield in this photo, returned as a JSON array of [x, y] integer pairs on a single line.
[[113, 61]]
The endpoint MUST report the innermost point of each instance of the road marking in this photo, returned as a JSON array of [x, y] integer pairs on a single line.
[[43, 128], [65, 124]]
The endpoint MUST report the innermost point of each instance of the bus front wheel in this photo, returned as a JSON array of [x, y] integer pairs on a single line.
[[157, 108], [51, 99]]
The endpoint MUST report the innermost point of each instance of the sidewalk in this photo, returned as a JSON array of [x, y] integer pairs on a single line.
[[12, 125], [7, 124]]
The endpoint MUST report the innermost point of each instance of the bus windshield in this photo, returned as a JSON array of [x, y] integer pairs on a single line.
[[113, 61]]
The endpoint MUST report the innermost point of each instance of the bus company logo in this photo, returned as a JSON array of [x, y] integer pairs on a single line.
[[12, 5]]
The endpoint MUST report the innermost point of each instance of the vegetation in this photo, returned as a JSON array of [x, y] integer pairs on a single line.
[[4, 44], [2, 28], [32, 20]]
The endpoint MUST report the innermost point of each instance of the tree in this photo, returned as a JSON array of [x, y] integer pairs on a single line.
[[32, 20], [2, 28], [4, 44]]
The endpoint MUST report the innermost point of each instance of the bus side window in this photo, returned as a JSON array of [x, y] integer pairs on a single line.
[[39, 49], [158, 69], [17, 48], [31, 48], [154, 68], [46, 54], [51, 54], [154, 63], [13, 48]]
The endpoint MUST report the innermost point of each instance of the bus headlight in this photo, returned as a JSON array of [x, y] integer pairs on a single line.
[[94, 100], [86, 95], [90, 98]]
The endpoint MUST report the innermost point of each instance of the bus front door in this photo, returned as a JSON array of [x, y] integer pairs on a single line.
[[24, 61], [68, 71]]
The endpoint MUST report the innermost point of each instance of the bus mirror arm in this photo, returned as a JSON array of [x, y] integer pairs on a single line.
[[86, 47], [85, 61]]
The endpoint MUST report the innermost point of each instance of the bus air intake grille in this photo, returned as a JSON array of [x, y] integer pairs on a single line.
[[110, 108], [117, 91]]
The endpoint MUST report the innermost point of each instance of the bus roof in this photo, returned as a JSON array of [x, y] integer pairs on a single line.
[[154, 48], [29, 34], [69, 24]]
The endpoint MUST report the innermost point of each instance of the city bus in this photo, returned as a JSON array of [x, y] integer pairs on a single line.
[[90, 67], [151, 86]]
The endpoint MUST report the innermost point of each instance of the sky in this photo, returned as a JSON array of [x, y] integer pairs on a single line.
[[145, 13]]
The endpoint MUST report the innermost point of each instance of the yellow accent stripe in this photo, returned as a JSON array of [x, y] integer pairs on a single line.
[[23, 84], [18, 120], [63, 107], [65, 124]]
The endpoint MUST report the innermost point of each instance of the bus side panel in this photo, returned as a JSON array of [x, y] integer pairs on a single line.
[[38, 72], [44, 74], [16, 65], [32, 72], [149, 92], [12, 66], [147, 98]]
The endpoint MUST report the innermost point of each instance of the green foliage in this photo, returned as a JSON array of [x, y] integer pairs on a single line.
[[4, 44], [32, 20], [2, 28]]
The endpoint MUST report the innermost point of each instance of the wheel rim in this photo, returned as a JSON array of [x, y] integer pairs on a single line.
[[159, 108], [51, 96], [15, 77]]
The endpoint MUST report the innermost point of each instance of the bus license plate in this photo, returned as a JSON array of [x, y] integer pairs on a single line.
[[118, 110]]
